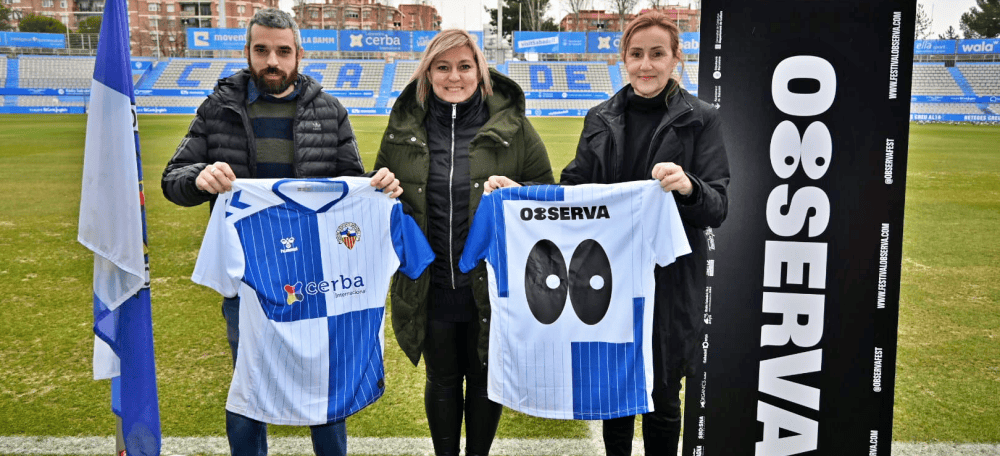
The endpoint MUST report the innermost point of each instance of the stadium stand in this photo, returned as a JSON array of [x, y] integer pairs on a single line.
[[198, 74], [50, 101], [349, 75], [690, 79], [162, 101], [984, 78], [561, 104], [552, 76], [945, 108], [404, 71], [964, 91], [148, 78], [934, 79], [58, 72], [354, 102]]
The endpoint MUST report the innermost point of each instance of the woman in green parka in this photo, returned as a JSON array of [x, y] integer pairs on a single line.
[[456, 124]]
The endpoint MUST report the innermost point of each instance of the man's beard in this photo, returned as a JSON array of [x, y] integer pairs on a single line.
[[273, 87]]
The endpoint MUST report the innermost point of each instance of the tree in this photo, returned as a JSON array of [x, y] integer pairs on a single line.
[[623, 8], [949, 34], [527, 15], [575, 6], [41, 24], [968, 33], [91, 24], [984, 21], [5, 19], [923, 24]]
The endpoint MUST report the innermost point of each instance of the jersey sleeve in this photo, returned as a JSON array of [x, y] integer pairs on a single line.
[[412, 248], [484, 224], [220, 260], [669, 241]]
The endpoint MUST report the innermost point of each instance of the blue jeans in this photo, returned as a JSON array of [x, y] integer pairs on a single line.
[[248, 437], [231, 312]]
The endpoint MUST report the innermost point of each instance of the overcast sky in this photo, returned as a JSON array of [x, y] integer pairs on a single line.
[[469, 14], [946, 12]]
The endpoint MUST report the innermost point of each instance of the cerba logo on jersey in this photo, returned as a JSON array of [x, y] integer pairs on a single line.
[[349, 234], [294, 293], [341, 286]]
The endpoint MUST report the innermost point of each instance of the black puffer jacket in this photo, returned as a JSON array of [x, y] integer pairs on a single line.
[[690, 135], [325, 145]]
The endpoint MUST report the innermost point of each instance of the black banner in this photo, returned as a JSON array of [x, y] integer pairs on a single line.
[[802, 306]]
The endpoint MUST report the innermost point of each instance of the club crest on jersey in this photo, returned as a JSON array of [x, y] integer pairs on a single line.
[[288, 242], [294, 293], [348, 234]]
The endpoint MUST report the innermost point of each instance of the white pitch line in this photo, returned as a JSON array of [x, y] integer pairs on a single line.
[[181, 446]]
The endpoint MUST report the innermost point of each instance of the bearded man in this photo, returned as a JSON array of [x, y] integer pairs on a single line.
[[266, 121]]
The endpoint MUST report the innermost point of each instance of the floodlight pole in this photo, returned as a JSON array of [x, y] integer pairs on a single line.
[[501, 57]]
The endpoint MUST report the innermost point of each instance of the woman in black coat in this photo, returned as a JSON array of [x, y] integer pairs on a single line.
[[654, 128]]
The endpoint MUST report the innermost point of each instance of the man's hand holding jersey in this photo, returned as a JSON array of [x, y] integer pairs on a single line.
[[215, 178]]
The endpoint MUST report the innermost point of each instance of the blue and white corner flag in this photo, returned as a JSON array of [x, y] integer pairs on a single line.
[[112, 224]]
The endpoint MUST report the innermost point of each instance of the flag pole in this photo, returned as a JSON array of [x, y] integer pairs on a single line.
[[119, 440]]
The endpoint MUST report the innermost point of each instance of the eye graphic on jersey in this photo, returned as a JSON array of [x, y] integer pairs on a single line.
[[294, 293], [545, 281], [590, 282], [587, 282]]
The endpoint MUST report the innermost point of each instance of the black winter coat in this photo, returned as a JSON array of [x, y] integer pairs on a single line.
[[690, 135], [325, 145]]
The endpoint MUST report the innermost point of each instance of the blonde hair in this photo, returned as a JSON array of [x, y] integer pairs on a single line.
[[443, 42], [653, 18]]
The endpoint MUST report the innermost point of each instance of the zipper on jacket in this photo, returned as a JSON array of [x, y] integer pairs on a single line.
[[451, 202]]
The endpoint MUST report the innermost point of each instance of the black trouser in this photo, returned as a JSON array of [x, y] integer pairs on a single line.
[[661, 429], [451, 356]]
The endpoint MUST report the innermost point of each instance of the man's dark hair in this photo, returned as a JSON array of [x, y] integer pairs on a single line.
[[278, 19]]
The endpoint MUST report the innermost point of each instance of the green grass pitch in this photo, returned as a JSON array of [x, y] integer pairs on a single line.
[[948, 379]]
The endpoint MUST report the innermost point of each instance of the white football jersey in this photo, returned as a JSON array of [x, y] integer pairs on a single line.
[[311, 261], [571, 288]]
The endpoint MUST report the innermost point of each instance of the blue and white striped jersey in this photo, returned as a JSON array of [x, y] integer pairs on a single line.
[[571, 288], [311, 261]]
